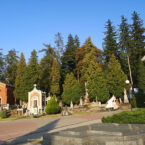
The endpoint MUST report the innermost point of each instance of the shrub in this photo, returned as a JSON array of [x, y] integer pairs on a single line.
[[52, 107], [140, 99], [125, 117], [3, 114], [133, 101]]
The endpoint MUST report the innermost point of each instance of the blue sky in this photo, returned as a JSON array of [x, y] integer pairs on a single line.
[[27, 24]]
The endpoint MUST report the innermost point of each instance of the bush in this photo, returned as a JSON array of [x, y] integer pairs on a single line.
[[52, 107], [140, 99], [133, 101], [3, 114], [125, 117]]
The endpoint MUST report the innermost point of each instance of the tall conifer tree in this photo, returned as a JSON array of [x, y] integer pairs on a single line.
[[20, 72], [138, 43], [55, 78], [71, 90], [1, 66], [45, 68], [115, 78], [124, 44], [141, 75], [30, 77], [110, 45], [11, 66], [68, 58]]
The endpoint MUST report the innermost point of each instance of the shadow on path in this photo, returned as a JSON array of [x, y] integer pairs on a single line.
[[37, 134]]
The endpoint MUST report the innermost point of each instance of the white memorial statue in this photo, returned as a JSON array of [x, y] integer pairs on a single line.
[[81, 101], [111, 104], [125, 97], [71, 105]]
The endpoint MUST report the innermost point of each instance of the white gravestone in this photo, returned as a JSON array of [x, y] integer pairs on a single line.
[[111, 104], [125, 97], [71, 105], [81, 101], [120, 100]]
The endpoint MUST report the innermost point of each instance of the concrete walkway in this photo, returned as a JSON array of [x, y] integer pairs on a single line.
[[18, 131]]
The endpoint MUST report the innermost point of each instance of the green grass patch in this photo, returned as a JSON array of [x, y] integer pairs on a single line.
[[125, 117]]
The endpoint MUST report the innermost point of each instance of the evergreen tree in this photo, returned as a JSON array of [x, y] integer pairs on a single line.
[[59, 45], [80, 54], [124, 44], [45, 68], [138, 43], [96, 83], [76, 41], [20, 72], [1, 67], [11, 67], [110, 45], [55, 78], [116, 78], [68, 58], [141, 75], [30, 77], [71, 90], [91, 53]]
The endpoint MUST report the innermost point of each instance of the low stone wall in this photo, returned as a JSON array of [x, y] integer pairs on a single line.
[[99, 134]]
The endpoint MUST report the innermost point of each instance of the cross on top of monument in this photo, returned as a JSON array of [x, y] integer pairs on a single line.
[[35, 85]]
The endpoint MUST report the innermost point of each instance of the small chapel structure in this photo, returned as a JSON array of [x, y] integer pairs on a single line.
[[36, 101]]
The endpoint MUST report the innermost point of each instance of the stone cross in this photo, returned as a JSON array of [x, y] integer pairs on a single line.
[[35, 86]]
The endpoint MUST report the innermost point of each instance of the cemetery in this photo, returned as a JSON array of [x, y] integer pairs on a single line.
[[72, 90]]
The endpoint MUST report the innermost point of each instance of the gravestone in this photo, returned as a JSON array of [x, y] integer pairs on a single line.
[[71, 105], [111, 104], [120, 100], [125, 97], [81, 101], [65, 112], [86, 95]]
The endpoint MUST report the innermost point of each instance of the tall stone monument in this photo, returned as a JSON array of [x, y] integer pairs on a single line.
[[125, 97]]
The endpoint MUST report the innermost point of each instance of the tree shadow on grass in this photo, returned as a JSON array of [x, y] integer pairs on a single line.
[[34, 135]]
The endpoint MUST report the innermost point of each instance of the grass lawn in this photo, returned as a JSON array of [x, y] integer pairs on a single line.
[[127, 117]]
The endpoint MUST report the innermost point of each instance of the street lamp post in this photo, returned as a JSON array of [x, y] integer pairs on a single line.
[[130, 93]]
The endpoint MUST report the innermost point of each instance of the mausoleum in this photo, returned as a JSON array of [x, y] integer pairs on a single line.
[[36, 101]]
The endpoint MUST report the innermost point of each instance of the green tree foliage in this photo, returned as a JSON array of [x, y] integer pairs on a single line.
[[55, 78], [110, 45], [138, 43], [1, 66], [52, 107], [124, 44], [45, 68], [68, 58], [96, 82], [71, 90], [20, 72], [11, 66], [116, 78], [141, 75], [91, 54], [30, 77], [59, 45]]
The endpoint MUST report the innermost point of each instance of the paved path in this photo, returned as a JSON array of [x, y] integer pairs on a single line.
[[12, 132]]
